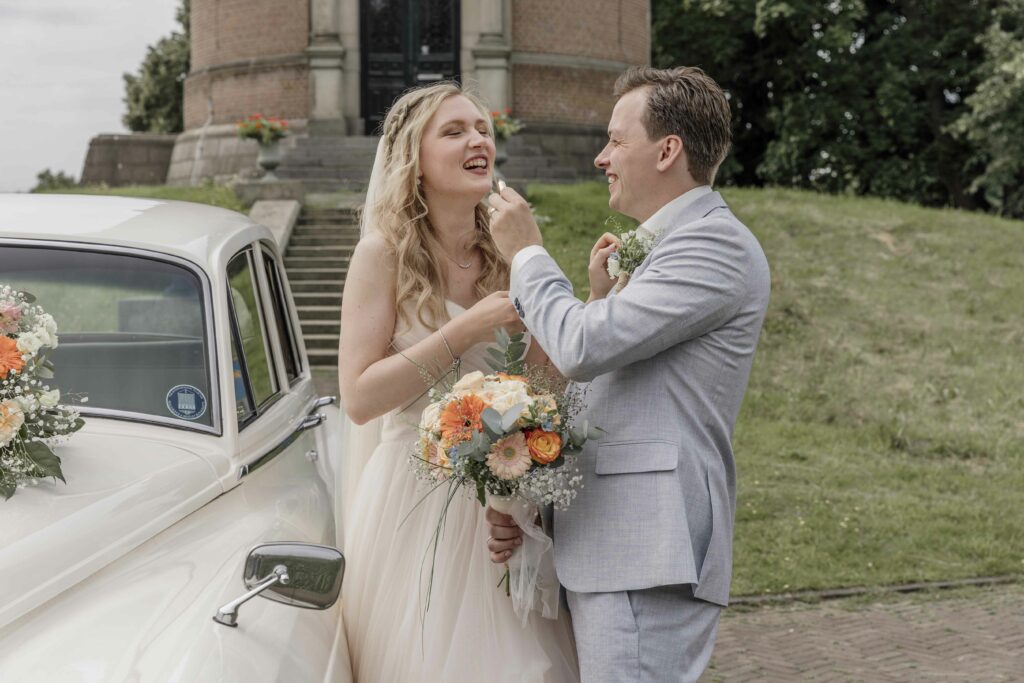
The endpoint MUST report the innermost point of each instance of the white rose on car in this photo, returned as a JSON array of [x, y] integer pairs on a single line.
[[29, 343], [46, 330]]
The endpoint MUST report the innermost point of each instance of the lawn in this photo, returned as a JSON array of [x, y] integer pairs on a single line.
[[216, 195], [882, 436]]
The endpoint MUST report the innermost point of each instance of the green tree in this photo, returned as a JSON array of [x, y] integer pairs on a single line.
[[995, 120], [154, 96], [843, 95], [47, 180]]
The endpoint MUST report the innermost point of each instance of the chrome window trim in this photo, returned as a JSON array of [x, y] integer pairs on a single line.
[[261, 408], [267, 253], [210, 336]]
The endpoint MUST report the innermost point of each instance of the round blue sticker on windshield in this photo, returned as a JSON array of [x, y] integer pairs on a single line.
[[187, 402]]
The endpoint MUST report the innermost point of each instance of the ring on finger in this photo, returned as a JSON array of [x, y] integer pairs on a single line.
[[491, 210]]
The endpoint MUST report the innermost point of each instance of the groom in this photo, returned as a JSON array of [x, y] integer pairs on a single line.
[[645, 550]]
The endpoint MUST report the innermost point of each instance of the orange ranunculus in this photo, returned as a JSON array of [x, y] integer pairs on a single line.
[[10, 356], [461, 418], [505, 377], [545, 447]]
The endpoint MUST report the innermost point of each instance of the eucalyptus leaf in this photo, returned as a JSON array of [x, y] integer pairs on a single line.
[[30, 298], [508, 420], [7, 488], [497, 354], [44, 372], [40, 454], [491, 419], [481, 492], [502, 336]]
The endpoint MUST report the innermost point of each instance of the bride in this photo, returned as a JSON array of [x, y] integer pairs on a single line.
[[424, 288]]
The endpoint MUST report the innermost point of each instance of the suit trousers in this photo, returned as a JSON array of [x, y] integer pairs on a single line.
[[654, 635]]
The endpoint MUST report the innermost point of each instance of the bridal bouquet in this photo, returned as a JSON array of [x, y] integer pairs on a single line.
[[512, 438], [31, 419]]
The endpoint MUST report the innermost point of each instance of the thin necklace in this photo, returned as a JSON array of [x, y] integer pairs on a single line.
[[464, 266]]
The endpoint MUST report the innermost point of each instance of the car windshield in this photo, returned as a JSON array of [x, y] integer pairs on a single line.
[[131, 329]]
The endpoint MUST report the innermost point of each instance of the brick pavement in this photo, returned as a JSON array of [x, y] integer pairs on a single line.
[[971, 635]]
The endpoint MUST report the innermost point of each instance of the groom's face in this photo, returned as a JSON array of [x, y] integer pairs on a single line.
[[630, 158]]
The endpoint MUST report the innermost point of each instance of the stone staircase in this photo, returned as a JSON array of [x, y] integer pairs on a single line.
[[330, 162], [316, 261]]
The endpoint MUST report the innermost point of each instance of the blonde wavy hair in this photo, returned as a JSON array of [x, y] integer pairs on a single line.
[[402, 214]]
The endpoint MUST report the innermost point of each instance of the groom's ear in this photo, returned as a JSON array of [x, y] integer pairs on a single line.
[[671, 152]]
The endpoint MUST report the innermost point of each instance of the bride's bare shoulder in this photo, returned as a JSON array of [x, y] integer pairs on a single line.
[[373, 246]]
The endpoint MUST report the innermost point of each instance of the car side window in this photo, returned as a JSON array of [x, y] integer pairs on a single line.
[[282, 319], [256, 361]]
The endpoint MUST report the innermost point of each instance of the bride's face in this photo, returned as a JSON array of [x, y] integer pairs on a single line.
[[457, 152]]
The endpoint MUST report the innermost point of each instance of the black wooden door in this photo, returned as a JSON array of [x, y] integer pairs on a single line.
[[405, 43]]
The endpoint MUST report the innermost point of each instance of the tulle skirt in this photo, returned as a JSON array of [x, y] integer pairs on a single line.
[[469, 631]]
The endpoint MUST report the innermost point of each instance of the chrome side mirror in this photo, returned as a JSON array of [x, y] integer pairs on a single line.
[[297, 574]]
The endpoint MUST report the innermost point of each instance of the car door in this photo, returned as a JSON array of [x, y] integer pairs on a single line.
[[282, 476]]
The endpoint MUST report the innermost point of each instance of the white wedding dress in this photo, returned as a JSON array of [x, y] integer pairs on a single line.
[[470, 632]]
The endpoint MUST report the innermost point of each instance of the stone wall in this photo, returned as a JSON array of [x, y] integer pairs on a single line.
[[216, 152], [128, 159]]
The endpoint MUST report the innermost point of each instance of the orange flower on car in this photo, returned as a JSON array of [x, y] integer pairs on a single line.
[[10, 357], [545, 447], [461, 417]]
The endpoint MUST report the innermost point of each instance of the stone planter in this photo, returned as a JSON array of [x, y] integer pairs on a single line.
[[269, 158]]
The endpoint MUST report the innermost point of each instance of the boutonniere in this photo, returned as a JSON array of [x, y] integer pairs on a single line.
[[632, 251]]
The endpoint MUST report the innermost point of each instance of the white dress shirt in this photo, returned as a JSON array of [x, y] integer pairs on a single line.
[[653, 226]]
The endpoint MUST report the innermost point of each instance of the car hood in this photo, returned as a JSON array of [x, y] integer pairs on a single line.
[[121, 490]]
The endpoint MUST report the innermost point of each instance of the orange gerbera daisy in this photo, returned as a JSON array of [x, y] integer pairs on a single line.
[[10, 356], [461, 418]]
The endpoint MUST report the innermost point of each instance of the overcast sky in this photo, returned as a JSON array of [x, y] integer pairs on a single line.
[[60, 77]]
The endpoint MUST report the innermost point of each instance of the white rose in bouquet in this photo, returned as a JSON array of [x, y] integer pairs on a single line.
[[469, 383]]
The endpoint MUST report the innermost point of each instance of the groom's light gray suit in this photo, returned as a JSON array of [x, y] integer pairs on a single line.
[[645, 550]]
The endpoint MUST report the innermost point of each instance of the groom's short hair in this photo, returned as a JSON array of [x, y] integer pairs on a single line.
[[684, 101]]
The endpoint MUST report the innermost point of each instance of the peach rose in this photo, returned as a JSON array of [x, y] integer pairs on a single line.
[[545, 447]]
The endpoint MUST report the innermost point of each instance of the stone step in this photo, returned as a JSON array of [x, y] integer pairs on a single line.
[[320, 341], [323, 357], [321, 240], [318, 312], [333, 251], [311, 327], [316, 273], [317, 286], [326, 298], [326, 211], [302, 262], [316, 224]]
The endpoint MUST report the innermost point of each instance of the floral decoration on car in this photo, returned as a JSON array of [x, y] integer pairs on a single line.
[[32, 419]]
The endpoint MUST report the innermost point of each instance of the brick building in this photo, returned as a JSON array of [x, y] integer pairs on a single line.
[[332, 67]]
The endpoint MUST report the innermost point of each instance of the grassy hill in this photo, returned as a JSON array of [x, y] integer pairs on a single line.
[[882, 436]]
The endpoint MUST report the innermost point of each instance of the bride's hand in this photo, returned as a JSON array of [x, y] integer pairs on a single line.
[[600, 282], [493, 311]]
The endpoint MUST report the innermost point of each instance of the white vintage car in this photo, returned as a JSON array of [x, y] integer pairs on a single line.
[[205, 473]]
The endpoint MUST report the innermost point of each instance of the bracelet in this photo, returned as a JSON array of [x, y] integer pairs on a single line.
[[447, 346]]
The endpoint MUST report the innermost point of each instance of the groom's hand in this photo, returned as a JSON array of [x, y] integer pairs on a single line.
[[505, 537], [512, 224]]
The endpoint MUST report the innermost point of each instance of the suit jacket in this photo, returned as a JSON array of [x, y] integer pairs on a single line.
[[668, 360]]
